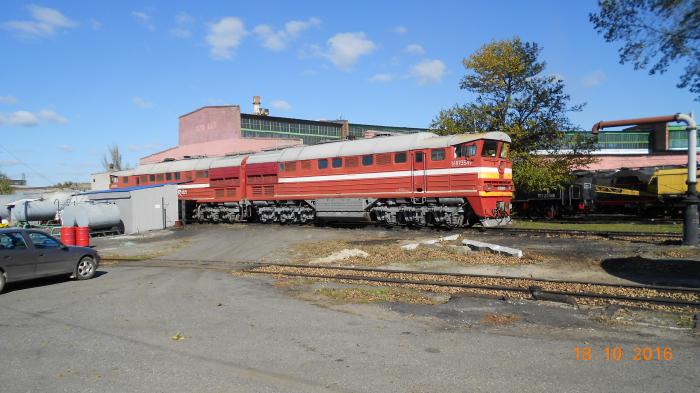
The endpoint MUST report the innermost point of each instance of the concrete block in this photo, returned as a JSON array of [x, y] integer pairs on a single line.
[[409, 247], [449, 238], [495, 248]]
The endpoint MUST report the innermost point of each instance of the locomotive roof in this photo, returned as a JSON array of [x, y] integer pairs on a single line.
[[420, 140], [193, 164]]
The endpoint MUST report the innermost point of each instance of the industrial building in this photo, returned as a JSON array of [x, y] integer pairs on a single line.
[[222, 130], [652, 145]]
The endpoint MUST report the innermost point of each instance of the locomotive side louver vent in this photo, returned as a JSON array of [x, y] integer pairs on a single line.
[[352, 162], [383, 159]]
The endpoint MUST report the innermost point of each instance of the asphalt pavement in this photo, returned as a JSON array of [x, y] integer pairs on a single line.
[[115, 334]]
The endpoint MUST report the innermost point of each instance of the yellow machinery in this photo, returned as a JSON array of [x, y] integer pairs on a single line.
[[669, 182], [664, 183]]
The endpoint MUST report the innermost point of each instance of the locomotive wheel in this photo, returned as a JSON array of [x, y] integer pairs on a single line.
[[551, 212]]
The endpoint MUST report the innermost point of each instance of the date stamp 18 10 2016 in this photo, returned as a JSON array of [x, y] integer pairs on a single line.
[[618, 354]]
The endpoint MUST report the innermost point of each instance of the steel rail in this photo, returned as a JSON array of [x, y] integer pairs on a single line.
[[530, 289], [582, 232]]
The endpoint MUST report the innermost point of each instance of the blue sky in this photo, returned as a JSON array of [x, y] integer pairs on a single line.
[[76, 76]]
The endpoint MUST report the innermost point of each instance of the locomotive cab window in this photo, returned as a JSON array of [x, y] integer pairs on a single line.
[[281, 166], [337, 162], [490, 148], [367, 160], [113, 179], [437, 154], [322, 163], [419, 156], [465, 151], [505, 149], [399, 157]]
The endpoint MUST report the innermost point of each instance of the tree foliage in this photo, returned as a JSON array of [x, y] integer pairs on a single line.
[[5, 185], [112, 161], [511, 94], [654, 31]]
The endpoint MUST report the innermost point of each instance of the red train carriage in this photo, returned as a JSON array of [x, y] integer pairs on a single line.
[[417, 179]]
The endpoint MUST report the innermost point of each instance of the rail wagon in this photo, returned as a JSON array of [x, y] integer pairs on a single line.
[[415, 180]]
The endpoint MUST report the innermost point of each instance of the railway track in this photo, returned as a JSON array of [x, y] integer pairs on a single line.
[[572, 292], [573, 232]]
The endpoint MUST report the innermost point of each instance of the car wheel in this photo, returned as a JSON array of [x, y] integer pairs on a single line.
[[85, 269], [2, 281]]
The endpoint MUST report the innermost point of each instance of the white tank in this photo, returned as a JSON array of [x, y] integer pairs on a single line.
[[68, 215], [97, 215], [33, 210]]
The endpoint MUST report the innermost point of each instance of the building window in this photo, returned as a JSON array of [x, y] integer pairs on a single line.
[[177, 175], [322, 163], [437, 154], [168, 176], [367, 160], [419, 156], [399, 157], [337, 162]]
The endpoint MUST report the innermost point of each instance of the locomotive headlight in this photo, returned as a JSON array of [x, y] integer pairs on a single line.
[[488, 187]]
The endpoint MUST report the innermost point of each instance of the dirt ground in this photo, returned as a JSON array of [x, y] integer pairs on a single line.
[[585, 258]]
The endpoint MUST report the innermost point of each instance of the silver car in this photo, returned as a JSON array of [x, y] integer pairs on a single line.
[[27, 254]]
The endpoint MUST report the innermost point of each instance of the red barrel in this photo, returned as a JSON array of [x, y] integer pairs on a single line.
[[68, 236], [82, 236]]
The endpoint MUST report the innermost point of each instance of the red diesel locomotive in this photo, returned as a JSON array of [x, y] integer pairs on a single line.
[[416, 180]]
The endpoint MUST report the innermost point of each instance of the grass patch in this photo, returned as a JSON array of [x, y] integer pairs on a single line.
[[600, 227], [676, 252], [377, 295]]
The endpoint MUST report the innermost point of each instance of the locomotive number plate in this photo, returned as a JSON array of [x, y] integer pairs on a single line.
[[461, 163]]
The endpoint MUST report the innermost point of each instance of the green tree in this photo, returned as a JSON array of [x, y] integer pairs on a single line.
[[5, 186], [511, 94], [654, 31]]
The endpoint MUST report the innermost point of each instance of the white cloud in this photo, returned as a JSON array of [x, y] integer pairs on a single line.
[[594, 78], [95, 24], [142, 103], [179, 32], [281, 105], [23, 118], [344, 49], [414, 49], [52, 117], [66, 148], [10, 162], [183, 20], [144, 19], [400, 29], [383, 78], [428, 71], [8, 100], [45, 22], [225, 36], [277, 40]]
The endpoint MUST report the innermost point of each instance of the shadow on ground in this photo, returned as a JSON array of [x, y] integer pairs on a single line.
[[40, 282], [670, 272]]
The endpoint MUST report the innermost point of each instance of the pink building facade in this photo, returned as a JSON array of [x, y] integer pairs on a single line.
[[215, 131]]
